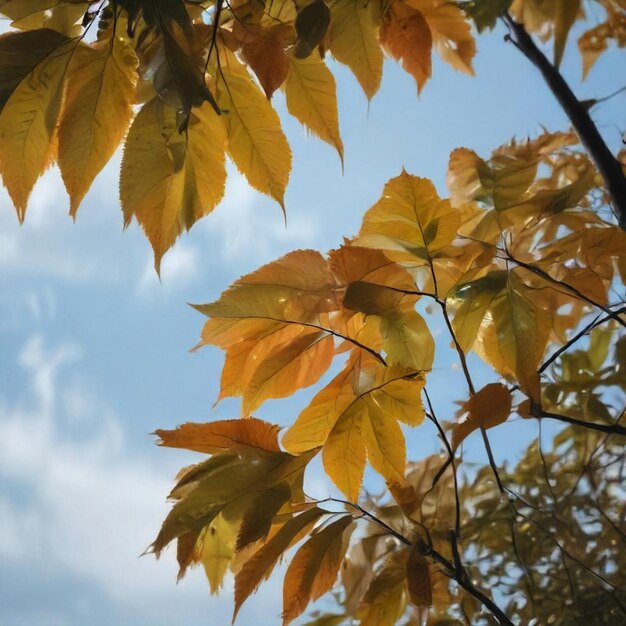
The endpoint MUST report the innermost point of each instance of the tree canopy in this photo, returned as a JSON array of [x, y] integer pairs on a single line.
[[522, 267]]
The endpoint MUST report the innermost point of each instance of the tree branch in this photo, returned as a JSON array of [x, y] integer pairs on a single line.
[[609, 429], [608, 166]]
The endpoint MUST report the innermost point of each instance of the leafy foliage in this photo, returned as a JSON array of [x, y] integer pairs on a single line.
[[520, 266], [193, 79]]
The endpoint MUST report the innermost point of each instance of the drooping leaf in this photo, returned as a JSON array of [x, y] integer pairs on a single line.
[[354, 41], [255, 139], [354, 417], [314, 568], [264, 53], [257, 519], [451, 34], [33, 67], [264, 559], [100, 91], [385, 599], [405, 35], [218, 545], [311, 98], [169, 178], [595, 41]]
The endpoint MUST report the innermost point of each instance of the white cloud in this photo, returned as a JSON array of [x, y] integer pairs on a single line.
[[87, 507], [247, 227]]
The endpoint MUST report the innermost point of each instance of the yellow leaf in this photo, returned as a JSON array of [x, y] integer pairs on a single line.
[[565, 14], [170, 179], [410, 222], [314, 568], [400, 397], [554, 17], [405, 35], [344, 451], [315, 423], [594, 42], [471, 302], [279, 369], [354, 41], [255, 139], [100, 91], [33, 67], [501, 183], [218, 547], [487, 408], [407, 339], [509, 322], [384, 442], [311, 97]]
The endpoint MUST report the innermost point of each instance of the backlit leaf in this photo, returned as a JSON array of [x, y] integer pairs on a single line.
[[33, 67], [263, 560], [100, 91], [354, 41], [255, 139], [487, 408], [405, 35], [314, 568], [311, 97], [169, 178]]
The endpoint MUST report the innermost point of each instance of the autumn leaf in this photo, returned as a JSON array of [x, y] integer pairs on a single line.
[[508, 322], [263, 560], [353, 421], [264, 54], [169, 178], [256, 141], [216, 552], [485, 409], [406, 36], [594, 41], [100, 91], [312, 99], [500, 183], [33, 70], [218, 436], [354, 41], [314, 568], [269, 324], [451, 34]]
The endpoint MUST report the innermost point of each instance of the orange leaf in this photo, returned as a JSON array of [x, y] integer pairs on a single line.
[[407, 38]]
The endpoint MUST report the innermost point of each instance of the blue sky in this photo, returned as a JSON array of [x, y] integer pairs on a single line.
[[94, 349]]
